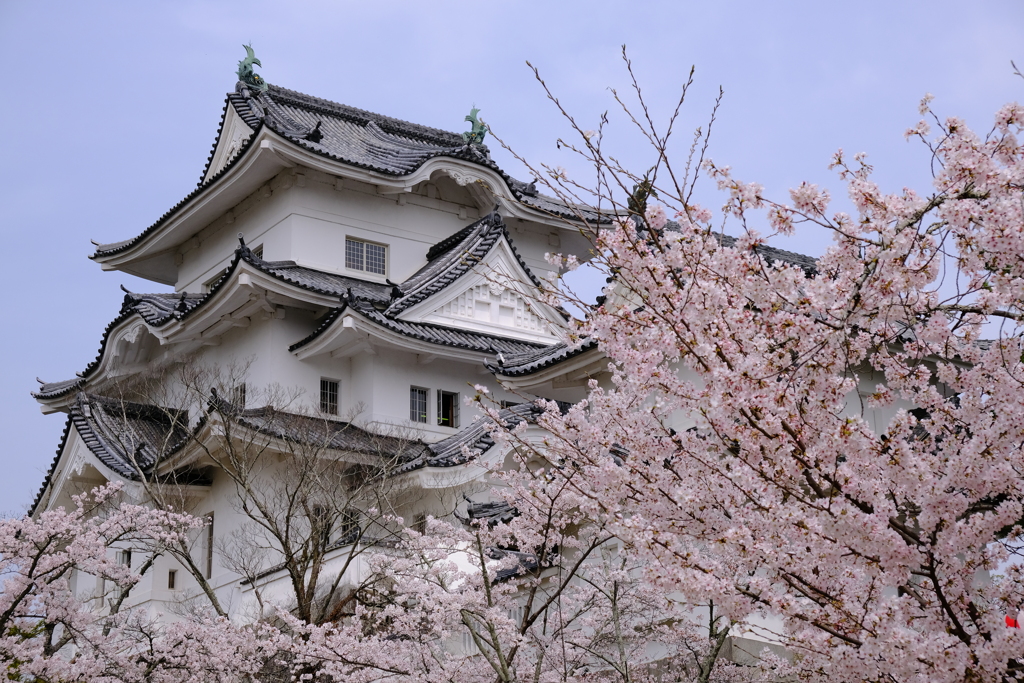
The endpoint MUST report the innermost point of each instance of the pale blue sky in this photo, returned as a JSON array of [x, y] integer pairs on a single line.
[[110, 109]]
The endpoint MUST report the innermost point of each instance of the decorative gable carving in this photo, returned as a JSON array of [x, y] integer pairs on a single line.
[[491, 303], [496, 297]]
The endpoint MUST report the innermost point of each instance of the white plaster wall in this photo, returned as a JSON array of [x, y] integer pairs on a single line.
[[303, 216]]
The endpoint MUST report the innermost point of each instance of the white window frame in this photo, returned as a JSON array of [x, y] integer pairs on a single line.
[[364, 269], [414, 415]]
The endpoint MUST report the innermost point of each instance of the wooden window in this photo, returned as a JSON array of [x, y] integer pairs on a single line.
[[508, 404], [172, 579], [328, 396], [418, 404], [208, 550], [258, 252], [366, 256], [447, 408]]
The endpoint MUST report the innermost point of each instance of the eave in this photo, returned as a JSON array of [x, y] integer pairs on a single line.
[[152, 254], [349, 331]]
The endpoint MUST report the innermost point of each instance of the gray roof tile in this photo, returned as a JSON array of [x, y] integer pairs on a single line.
[[531, 361], [129, 438]]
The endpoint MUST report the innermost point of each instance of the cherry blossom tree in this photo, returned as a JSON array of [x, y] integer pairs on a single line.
[[52, 628], [831, 451]]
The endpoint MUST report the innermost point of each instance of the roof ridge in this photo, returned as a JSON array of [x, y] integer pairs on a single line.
[[305, 101]]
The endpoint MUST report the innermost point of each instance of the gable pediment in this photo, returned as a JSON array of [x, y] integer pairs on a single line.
[[495, 297], [234, 133]]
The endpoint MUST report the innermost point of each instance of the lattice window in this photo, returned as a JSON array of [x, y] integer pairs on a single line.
[[328, 396], [417, 404], [366, 256]]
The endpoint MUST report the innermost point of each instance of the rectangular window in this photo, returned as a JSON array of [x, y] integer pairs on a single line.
[[209, 546], [447, 408], [258, 252], [328, 396], [125, 557], [417, 404], [366, 256], [508, 404], [172, 579]]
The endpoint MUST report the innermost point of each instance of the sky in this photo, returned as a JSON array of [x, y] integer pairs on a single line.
[[109, 111]]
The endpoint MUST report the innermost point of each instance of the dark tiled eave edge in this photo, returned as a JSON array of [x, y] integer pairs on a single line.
[[202, 187], [52, 390], [398, 327], [528, 364], [472, 441]]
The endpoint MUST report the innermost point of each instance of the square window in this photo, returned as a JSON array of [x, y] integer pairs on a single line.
[[417, 404], [366, 256], [448, 409], [328, 396]]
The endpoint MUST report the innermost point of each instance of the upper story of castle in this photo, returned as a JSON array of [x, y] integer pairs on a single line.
[[336, 189]]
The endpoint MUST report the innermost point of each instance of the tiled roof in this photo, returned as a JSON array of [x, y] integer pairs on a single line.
[[532, 361], [809, 264], [473, 440], [117, 247], [491, 513], [411, 454], [383, 144], [161, 308], [158, 309], [323, 432], [356, 138], [428, 332], [452, 258], [129, 438], [51, 390]]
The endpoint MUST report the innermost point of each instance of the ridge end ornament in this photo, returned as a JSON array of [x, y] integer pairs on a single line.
[[475, 136], [246, 75]]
